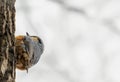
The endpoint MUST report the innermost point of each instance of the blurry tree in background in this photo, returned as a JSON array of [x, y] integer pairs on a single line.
[[82, 39], [7, 41]]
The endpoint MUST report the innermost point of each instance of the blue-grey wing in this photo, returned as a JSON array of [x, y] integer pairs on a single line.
[[38, 50]]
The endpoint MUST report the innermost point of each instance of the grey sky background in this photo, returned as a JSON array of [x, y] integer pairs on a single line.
[[81, 38]]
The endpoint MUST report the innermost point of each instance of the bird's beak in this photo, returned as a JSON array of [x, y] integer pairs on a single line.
[[27, 34]]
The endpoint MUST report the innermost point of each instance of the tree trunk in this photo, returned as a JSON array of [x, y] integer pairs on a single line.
[[7, 41]]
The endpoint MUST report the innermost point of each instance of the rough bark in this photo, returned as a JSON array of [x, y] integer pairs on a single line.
[[7, 41]]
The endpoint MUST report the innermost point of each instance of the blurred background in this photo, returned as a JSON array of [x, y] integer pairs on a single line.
[[81, 38]]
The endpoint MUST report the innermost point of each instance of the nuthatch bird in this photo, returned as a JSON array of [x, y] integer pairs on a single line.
[[28, 51]]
